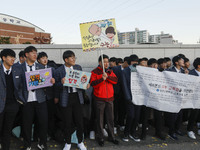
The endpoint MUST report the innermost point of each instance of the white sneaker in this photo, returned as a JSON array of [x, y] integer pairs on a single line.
[[191, 135], [115, 130], [67, 147], [92, 135], [81, 146], [199, 132], [105, 133]]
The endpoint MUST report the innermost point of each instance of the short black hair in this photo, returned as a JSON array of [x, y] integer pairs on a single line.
[[42, 54], [127, 59], [119, 60], [151, 61], [7, 52], [30, 49], [161, 61], [186, 60], [134, 58], [142, 59], [113, 59], [67, 54], [104, 56], [196, 62], [145, 59], [176, 59], [181, 55], [21, 54], [167, 59]]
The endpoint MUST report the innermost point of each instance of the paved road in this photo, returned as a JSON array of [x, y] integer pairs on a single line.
[[151, 143]]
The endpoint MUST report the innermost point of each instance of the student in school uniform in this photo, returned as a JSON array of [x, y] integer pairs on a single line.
[[71, 101], [35, 103], [10, 96], [174, 120]]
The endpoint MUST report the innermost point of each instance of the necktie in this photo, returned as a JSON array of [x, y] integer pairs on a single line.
[[71, 90], [31, 70], [7, 71]]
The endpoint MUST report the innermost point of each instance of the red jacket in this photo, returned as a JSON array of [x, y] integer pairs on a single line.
[[103, 89]]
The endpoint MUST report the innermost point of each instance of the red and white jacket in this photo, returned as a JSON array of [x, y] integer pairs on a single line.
[[103, 89]]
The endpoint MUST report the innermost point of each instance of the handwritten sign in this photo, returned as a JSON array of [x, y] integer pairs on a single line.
[[38, 79], [99, 34], [77, 79]]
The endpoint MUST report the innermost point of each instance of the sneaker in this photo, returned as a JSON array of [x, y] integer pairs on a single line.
[[160, 136], [92, 135], [67, 147], [179, 132], [198, 132], [173, 136], [101, 142], [105, 133], [81, 146], [122, 128], [114, 141], [115, 130], [191, 135], [125, 138], [42, 147], [135, 138]]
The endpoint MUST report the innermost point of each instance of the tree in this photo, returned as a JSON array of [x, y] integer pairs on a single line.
[[27, 42], [5, 40]]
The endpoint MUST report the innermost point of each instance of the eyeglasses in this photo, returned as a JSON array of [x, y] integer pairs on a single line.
[[73, 58]]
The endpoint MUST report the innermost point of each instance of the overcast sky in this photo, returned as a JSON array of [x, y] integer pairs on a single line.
[[61, 18]]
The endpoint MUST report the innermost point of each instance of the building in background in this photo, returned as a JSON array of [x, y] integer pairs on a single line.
[[143, 37], [19, 31]]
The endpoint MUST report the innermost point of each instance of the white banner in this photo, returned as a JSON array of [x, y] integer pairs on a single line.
[[165, 91]]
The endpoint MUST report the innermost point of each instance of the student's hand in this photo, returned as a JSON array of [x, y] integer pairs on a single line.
[[52, 81], [104, 76], [56, 100], [186, 71], [88, 85], [63, 80]]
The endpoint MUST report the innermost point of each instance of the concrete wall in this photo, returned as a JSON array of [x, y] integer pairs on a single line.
[[88, 60]]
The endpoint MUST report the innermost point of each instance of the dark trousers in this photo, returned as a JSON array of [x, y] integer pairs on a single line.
[[158, 119], [73, 115], [7, 118], [92, 126], [30, 110], [192, 119], [133, 116], [104, 109], [51, 117], [173, 121], [145, 113], [122, 110]]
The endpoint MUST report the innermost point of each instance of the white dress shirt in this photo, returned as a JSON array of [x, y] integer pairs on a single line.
[[197, 72], [31, 94], [5, 70], [73, 89]]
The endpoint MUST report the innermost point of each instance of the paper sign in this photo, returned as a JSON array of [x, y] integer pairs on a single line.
[[76, 78], [38, 79]]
